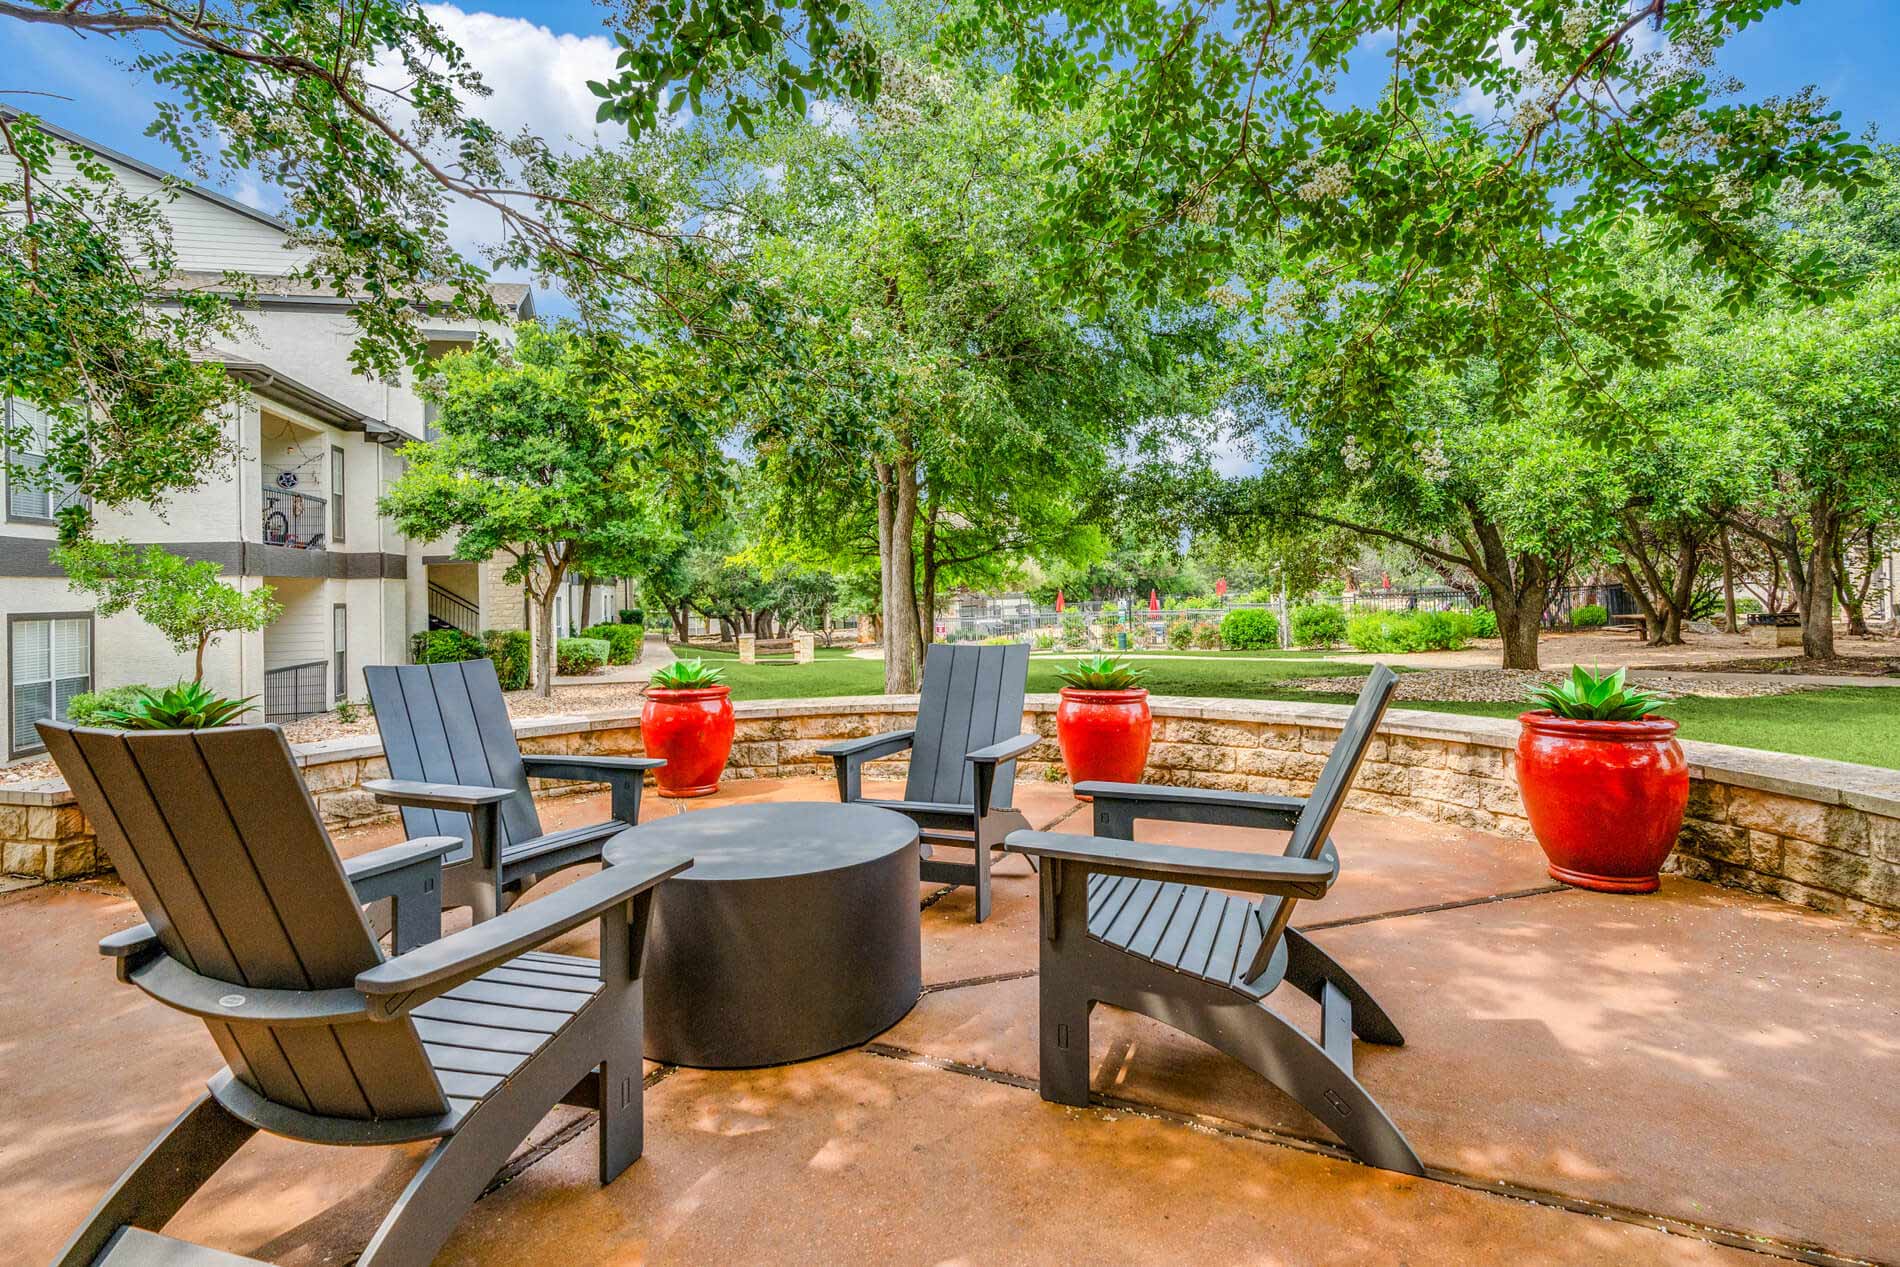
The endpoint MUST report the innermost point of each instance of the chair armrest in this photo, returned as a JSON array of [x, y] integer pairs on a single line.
[[849, 755], [987, 759], [586, 769], [128, 943], [449, 796], [1003, 750], [398, 858], [625, 777], [1119, 805], [409, 980], [870, 747], [1250, 873]]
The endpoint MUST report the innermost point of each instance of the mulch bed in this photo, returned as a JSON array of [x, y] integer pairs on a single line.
[[1508, 686], [1843, 666]]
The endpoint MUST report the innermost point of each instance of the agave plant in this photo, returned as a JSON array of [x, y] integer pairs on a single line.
[[1101, 673], [687, 675], [187, 706], [1588, 697]]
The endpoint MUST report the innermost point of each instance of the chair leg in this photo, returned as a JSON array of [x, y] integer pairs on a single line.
[[982, 880], [1308, 969], [1063, 1072], [1286, 1056], [166, 1174], [622, 1114]]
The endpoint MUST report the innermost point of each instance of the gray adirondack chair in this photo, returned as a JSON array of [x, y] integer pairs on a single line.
[[255, 926], [963, 754], [1146, 928], [457, 771]]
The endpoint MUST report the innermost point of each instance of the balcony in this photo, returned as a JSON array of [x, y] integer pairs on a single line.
[[294, 517]]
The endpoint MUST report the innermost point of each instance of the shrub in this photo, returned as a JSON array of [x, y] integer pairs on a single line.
[[1385, 633], [1318, 625], [687, 675], [1249, 629], [1181, 634], [87, 709], [512, 650], [623, 641], [1207, 636], [1045, 642], [1589, 616], [1075, 632], [445, 646], [574, 656], [1438, 631], [1481, 622], [1748, 607], [632, 616]]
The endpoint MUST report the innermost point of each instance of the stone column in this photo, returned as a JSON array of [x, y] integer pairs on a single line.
[[748, 649], [804, 648]]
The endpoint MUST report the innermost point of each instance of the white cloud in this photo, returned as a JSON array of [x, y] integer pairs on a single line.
[[250, 193], [537, 76]]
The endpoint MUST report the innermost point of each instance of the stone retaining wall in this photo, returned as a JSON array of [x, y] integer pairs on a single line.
[[1823, 834]]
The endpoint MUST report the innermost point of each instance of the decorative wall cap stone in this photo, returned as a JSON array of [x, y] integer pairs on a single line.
[[1869, 789]]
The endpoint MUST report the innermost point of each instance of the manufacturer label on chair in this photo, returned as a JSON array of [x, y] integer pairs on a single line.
[[230, 1000]]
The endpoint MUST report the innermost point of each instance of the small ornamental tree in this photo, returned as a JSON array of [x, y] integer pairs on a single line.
[[183, 600], [527, 463]]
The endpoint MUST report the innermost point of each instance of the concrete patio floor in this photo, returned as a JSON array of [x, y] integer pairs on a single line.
[[1698, 1076]]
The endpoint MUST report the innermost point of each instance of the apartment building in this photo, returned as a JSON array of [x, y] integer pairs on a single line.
[[296, 510]]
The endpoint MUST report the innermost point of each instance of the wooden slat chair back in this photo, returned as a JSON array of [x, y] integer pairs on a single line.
[[1311, 835], [972, 697], [448, 723], [221, 846]]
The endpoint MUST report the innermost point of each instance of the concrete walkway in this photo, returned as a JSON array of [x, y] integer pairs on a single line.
[[655, 655], [1695, 1077]]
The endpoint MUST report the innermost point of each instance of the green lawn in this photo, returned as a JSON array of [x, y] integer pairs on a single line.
[[1860, 724]]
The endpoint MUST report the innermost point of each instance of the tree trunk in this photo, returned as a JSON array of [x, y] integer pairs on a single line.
[[1728, 585], [902, 639], [198, 670], [1639, 594], [544, 639], [587, 602], [1817, 589], [1518, 628], [679, 615]]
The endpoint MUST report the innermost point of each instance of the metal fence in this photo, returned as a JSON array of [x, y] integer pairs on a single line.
[[295, 691], [1014, 617]]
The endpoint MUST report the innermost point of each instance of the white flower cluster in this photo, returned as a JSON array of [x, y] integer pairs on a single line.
[[1357, 460], [1580, 22], [1331, 181], [1431, 458], [741, 310], [859, 330]]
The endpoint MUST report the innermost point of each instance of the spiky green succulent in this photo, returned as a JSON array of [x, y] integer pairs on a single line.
[[187, 706], [1101, 673], [687, 675], [1584, 696]]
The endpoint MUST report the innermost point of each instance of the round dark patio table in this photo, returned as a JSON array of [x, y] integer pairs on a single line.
[[795, 933]]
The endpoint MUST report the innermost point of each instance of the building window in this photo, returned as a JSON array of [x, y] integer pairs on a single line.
[[340, 649], [51, 659], [30, 428], [336, 495]]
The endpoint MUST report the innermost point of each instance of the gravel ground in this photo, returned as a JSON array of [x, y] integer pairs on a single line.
[[1845, 666], [1504, 686]]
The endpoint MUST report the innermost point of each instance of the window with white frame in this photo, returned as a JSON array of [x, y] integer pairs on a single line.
[[51, 661], [340, 650], [28, 429]]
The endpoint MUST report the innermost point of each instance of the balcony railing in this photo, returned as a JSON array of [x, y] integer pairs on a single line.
[[294, 691], [294, 518]]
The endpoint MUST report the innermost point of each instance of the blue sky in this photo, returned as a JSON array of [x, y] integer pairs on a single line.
[[537, 57]]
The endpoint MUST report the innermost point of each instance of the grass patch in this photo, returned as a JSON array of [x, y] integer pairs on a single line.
[[1846, 723], [1841, 723]]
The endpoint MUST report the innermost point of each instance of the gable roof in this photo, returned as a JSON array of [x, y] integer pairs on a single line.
[[156, 173]]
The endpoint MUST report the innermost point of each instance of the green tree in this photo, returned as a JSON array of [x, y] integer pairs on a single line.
[[183, 600], [1515, 504], [920, 399], [534, 459]]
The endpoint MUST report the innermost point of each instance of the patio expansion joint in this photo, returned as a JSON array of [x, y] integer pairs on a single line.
[[1542, 890], [522, 1162], [1752, 1242]]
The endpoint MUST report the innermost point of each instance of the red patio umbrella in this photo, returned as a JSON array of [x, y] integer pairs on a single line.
[[1220, 588], [1154, 602], [1058, 602]]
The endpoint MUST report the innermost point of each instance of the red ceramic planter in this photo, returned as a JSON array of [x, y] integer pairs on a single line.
[[692, 731], [1605, 798], [1104, 734]]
